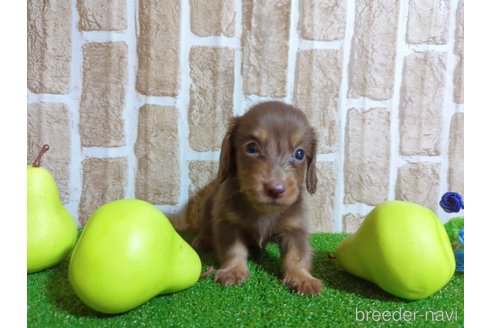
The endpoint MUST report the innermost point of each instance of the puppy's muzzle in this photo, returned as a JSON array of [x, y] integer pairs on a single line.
[[275, 189]]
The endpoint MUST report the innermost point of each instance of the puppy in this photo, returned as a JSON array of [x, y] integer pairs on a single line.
[[267, 157]]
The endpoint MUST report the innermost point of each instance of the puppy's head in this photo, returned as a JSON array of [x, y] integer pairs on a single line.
[[272, 151]]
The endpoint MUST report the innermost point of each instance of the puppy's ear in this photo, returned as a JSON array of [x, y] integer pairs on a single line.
[[311, 177], [227, 162]]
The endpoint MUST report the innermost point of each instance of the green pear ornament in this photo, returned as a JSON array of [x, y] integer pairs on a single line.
[[403, 248], [127, 254], [51, 230]]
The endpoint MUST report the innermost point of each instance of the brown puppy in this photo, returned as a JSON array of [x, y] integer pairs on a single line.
[[266, 156]]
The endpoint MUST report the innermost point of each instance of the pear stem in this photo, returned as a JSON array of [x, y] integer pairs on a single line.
[[37, 161]]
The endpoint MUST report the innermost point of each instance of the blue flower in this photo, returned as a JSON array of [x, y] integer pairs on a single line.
[[451, 202], [461, 236], [460, 260]]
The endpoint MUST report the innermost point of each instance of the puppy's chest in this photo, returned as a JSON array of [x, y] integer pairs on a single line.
[[260, 230]]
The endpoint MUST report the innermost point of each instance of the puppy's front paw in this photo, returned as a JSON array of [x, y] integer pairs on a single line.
[[232, 276], [303, 284]]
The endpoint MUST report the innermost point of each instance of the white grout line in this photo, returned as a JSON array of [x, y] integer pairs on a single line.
[[130, 112], [359, 209], [404, 159], [49, 98], [367, 103], [292, 53], [194, 155], [323, 45], [214, 41], [330, 157], [427, 47], [105, 152], [73, 104], [182, 106], [141, 99], [238, 105], [106, 36]]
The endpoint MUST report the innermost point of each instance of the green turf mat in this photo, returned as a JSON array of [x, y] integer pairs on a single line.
[[262, 301]]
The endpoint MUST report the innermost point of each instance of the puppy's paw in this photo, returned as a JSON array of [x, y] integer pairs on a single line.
[[303, 284], [232, 276]]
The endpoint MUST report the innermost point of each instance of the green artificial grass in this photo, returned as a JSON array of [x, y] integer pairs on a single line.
[[453, 227], [261, 301]]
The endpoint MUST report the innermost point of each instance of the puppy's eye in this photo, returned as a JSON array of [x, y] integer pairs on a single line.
[[299, 154], [252, 148]]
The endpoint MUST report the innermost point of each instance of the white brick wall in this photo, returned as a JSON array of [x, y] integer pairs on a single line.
[[344, 75]]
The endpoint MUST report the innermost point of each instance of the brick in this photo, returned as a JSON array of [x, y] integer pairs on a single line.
[[372, 58], [265, 41], [210, 69], [419, 183], [103, 94], [367, 156], [158, 47], [200, 173], [321, 205], [322, 20], [212, 18], [421, 101], [50, 124], [456, 154], [460, 29], [157, 152], [317, 86], [458, 95], [428, 21], [351, 223], [49, 46], [98, 15], [103, 180], [458, 79]]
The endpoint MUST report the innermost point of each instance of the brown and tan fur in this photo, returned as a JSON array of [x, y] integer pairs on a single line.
[[257, 196]]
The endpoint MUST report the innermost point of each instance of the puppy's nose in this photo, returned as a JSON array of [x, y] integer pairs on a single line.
[[275, 189]]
